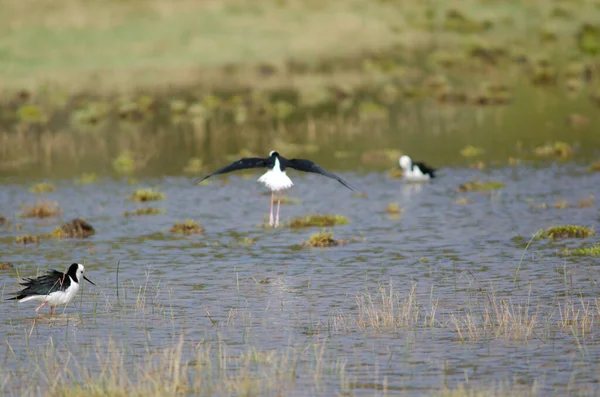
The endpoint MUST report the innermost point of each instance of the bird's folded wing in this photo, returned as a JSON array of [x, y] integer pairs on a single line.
[[241, 164], [309, 166]]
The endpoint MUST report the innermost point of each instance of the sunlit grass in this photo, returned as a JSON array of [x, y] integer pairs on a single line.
[[594, 250], [187, 228], [76, 228], [568, 231], [322, 239], [143, 195]]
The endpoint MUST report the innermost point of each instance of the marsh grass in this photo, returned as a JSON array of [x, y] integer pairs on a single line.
[[87, 178], [143, 211], [144, 195], [471, 151], [42, 209], [318, 220], [41, 188], [558, 149], [27, 239], [567, 231], [76, 228], [594, 167], [188, 227], [479, 186]]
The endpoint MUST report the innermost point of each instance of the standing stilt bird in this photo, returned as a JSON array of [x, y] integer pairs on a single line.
[[275, 178], [416, 171], [54, 287]]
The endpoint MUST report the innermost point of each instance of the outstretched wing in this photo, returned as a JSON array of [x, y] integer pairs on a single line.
[[43, 285], [425, 169], [241, 164], [309, 166]]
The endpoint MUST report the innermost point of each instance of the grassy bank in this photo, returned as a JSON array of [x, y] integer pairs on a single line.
[[103, 45]]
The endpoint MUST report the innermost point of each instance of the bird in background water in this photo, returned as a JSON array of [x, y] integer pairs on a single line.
[[416, 171], [275, 178]]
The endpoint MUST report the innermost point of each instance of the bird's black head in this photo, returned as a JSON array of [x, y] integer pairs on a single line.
[[76, 271], [273, 153], [72, 272]]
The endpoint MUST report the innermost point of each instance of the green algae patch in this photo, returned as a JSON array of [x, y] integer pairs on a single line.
[[318, 220], [77, 228], [479, 186], [144, 195], [321, 240], [43, 187], [188, 227], [143, 211], [594, 250], [567, 231]]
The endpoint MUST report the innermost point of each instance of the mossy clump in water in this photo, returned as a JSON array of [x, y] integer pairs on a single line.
[[289, 200], [27, 239], [186, 228], [43, 187], [393, 208], [322, 239], [3, 221], [395, 173], [143, 195], [594, 167], [567, 231], [478, 186], [558, 149], [594, 250], [471, 151], [143, 211], [42, 209], [588, 39], [319, 220], [6, 265], [77, 228]]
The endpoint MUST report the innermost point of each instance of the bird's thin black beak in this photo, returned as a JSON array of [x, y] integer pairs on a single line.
[[88, 280]]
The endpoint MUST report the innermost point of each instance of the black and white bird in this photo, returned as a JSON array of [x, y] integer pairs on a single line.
[[416, 171], [275, 178], [54, 288]]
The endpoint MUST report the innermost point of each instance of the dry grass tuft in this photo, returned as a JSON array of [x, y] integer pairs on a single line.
[[77, 228], [27, 239], [42, 209]]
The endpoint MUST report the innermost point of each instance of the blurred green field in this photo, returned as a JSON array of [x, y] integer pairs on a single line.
[[121, 44]]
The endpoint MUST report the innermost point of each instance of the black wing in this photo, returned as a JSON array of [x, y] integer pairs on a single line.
[[241, 164], [425, 169], [309, 166], [43, 285]]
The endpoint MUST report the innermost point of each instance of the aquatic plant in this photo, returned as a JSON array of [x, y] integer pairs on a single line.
[[31, 114], [318, 220], [395, 173], [380, 156], [124, 163], [76, 228], [594, 250], [558, 149], [457, 21], [471, 151], [322, 239], [42, 209], [586, 202], [567, 231], [43, 187], [478, 186], [143, 211], [143, 195], [187, 228], [594, 167], [87, 178], [6, 266], [3, 221], [393, 208], [27, 239], [194, 166], [588, 39]]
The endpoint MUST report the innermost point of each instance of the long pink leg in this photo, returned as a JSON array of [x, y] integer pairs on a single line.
[[51, 310], [42, 305], [272, 199], [278, 204]]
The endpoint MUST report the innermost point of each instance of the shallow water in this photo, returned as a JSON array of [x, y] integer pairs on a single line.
[[271, 294]]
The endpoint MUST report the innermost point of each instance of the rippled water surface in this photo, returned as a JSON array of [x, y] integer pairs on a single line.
[[221, 289]]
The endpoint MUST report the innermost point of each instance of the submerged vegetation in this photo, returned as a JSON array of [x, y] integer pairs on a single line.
[[594, 250], [318, 220], [567, 231], [479, 186], [143, 211], [322, 239], [43, 187], [42, 209], [77, 228]]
